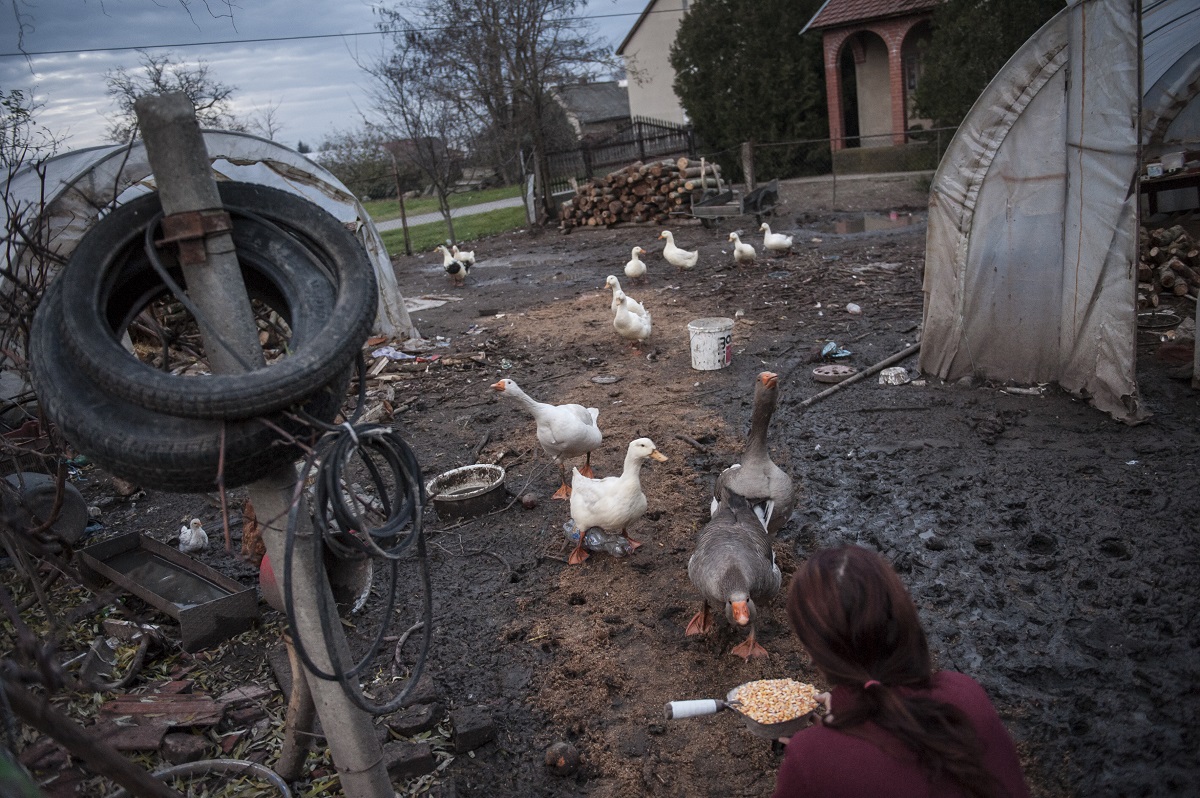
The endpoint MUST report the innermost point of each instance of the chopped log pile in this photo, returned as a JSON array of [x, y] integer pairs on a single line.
[[639, 193], [1168, 263]]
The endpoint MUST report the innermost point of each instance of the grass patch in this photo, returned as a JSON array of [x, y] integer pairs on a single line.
[[382, 210], [425, 237]]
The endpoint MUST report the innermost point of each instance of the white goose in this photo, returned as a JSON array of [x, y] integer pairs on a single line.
[[564, 431], [612, 503], [463, 256], [742, 253], [635, 307], [632, 326], [635, 269], [774, 242], [677, 256]]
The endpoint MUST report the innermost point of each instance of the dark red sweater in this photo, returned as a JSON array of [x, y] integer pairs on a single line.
[[821, 761]]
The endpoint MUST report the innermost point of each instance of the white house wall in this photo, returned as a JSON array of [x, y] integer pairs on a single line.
[[648, 64]]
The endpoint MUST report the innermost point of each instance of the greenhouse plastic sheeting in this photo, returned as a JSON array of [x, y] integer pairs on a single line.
[[1031, 251], [77, 186]]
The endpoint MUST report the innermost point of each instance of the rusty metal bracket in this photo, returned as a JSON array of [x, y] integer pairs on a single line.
[[190, 229]]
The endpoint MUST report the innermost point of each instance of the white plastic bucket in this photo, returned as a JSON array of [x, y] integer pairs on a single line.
[[712, 343]]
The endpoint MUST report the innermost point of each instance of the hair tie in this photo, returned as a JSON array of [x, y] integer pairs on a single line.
[[869, 683]]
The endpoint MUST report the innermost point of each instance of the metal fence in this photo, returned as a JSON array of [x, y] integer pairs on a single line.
[[642, 139]]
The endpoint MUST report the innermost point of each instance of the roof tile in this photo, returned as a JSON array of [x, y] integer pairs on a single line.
[[836, 13]]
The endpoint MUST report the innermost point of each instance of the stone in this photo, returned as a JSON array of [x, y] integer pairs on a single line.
[[471, 727], [415, 720], [178, 748], [424, 692], [406, 760], [562, 759]]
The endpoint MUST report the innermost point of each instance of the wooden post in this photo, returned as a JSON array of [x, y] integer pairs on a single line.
[[400, 199], [748, 164], [179, 159]]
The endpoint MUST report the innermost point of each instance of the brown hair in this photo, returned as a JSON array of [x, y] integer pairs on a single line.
[[857, 621]]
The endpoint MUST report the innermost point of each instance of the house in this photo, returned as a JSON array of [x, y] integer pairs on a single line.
[[595, 110], [872, 67], [647, 50]]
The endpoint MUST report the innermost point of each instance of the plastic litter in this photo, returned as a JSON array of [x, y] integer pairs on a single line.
[[598, 540]]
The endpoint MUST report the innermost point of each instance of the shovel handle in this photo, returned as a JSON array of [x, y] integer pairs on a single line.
[[678, 710]]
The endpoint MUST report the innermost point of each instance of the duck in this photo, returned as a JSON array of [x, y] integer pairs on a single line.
[[733, 566], [463, 256], [457, 269], [564, 431], [774, 242], [614, 285], [742, 253], [630, 325], [192, 537], [676, 256], [635, 269], [768, 488], [611, 504]]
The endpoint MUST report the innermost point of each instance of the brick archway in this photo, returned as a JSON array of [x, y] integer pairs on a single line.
[[893, 32]]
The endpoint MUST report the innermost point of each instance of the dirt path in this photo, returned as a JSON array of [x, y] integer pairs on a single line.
[[1051, 551]]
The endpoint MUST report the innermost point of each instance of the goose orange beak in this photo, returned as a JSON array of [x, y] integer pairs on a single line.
[[741, 613], [769, 378], [659, 456], [499, 386]]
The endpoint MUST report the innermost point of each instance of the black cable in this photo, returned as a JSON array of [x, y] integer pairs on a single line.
[[395, 478]]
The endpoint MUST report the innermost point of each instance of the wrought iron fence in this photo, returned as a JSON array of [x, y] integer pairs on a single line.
[[641, 139]]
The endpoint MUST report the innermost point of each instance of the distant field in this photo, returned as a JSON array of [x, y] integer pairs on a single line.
[[383, 210], [425, 237]]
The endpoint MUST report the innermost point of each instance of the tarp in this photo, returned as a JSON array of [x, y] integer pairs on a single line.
[[79, 186], [1030, 271]]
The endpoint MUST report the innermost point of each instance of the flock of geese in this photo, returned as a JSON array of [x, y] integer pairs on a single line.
[[733, 563], [632, 321]]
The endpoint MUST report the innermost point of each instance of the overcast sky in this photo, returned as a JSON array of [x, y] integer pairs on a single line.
[[315, 82]]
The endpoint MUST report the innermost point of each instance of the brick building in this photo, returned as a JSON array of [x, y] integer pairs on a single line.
[[872, 66]]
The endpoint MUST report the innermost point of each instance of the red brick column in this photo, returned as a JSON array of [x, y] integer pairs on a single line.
[[832, 41]]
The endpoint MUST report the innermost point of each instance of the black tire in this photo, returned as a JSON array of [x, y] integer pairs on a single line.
[[304, 258], [153, 449]]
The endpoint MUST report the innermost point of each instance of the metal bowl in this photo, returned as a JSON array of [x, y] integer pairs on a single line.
[[467, 492], [771, 731]]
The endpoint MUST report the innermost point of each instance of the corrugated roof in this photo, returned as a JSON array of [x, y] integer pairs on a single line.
[[595, 102], [836, 13]]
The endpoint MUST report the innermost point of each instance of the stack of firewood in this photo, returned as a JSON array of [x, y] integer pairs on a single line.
[[1169, 263], [639, 193]]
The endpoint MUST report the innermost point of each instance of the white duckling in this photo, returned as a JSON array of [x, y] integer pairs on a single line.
[[455, 268], [564, 431], [612, 503], [734, 567], [192, 537], [742, 252], [677, 256], [614, 285], [463, 256], [774, 242], [635, 269], [629, 325]]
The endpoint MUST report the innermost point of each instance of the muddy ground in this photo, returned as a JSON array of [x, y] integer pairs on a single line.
[[1051, 550]]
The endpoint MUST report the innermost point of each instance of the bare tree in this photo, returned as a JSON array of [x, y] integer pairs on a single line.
[[162, 74], [496, 62], [265, 121], [428, 127]]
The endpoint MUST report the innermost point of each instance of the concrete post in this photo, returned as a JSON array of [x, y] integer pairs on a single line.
[[179, 159]]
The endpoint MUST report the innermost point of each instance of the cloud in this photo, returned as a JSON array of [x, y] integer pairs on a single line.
[[315, 83]]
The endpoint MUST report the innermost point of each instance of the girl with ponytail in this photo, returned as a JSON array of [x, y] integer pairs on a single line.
[[895, 727]]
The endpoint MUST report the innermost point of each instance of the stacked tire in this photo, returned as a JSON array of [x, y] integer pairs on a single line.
[[183, 433]]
